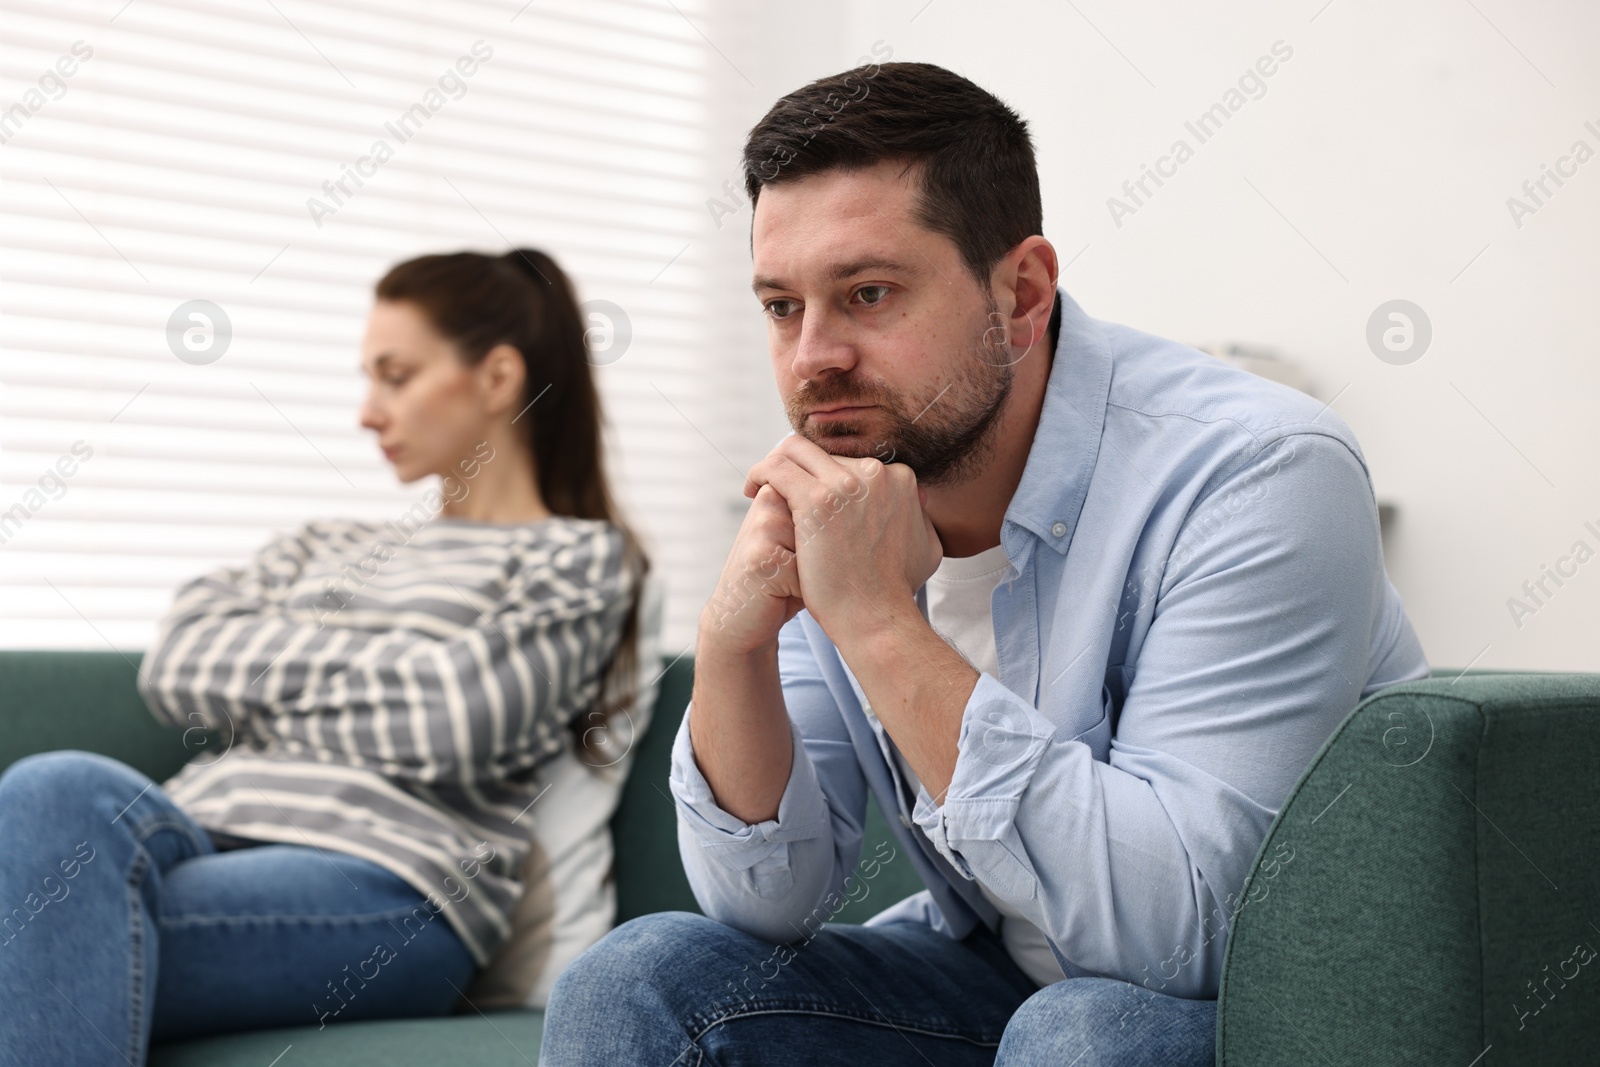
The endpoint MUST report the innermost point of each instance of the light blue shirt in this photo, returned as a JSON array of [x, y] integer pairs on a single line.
[[1196, 599]]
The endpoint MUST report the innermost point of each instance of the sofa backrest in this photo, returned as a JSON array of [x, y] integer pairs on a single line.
[[1428, 891], [86, 700], [644, 829]]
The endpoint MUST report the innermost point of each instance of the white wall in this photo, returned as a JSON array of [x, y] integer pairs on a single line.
[[1376, 166]]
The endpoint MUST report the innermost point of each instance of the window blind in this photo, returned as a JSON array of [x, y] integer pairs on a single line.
[[196, 198]]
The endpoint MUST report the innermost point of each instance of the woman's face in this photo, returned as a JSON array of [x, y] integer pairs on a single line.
[[427, 407]]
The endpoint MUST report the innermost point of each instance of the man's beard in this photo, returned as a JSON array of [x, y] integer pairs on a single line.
[[941, 435]]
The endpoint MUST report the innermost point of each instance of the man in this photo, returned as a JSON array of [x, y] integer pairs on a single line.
[[1076, 603]]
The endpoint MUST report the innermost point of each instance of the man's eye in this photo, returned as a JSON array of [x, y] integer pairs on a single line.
[[780, 309], [397, 379], [882, 292]]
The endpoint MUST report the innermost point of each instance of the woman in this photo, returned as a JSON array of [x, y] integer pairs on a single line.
[[376, 707]]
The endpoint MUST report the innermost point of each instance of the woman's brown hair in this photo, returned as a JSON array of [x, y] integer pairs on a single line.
[[523, 299]]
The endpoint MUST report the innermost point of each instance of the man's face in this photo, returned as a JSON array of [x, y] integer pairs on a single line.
[[882, 343]]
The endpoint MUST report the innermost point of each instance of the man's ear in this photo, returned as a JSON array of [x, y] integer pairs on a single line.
[[501, 376], [1029, 272]]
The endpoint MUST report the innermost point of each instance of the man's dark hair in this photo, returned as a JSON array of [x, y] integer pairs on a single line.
[[980, 185]]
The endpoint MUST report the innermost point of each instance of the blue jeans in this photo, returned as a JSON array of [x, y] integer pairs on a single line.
[[676, 988], [121, 923]]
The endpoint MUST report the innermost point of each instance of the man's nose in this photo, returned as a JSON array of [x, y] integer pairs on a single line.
[[825, 344]]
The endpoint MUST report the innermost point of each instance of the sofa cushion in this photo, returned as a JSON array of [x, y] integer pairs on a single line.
[[569, 897], [495, 1039]]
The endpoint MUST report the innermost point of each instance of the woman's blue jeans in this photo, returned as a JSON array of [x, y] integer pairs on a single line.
[[121, 924], [676, 988]]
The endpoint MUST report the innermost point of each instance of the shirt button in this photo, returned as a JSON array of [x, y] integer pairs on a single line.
[[905, 821], [1058, 529]]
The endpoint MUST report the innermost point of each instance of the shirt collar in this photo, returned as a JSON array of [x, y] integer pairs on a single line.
[[1066, 442]]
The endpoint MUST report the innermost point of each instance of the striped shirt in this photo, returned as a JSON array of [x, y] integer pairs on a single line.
[[394, 691]]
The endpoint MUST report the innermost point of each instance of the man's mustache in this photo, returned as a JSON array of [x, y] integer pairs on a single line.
[[836, 393]]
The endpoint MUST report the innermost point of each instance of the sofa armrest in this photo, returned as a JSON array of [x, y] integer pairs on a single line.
[[1431, 872]]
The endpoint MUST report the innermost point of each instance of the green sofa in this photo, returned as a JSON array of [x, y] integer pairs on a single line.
[[87, 700], [1436, 860]]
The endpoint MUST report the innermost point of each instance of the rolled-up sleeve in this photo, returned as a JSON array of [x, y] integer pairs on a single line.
[[766, 878], [1001, 741], [1259, 646]]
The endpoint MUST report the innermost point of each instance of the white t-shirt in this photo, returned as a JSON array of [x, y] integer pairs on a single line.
[[959, 608]]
